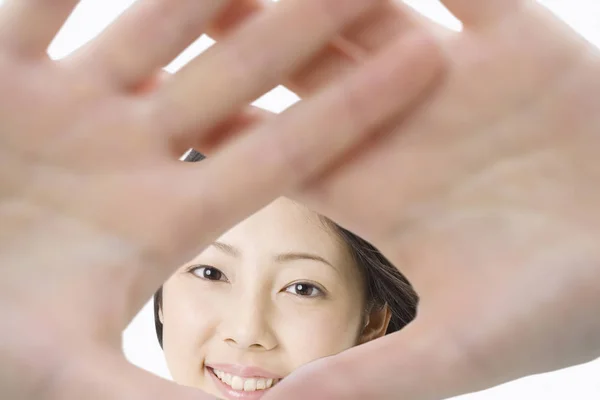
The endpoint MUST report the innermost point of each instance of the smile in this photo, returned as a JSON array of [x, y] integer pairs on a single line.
[[245, 384], [241, 383]]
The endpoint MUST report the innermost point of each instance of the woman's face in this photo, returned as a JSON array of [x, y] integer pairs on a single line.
[[275, 292]]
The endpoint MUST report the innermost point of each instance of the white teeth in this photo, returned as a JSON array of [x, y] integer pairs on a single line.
[[250, 385], [237, 383], [245, 384]]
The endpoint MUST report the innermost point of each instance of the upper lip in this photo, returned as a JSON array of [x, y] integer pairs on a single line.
[[244, 371]]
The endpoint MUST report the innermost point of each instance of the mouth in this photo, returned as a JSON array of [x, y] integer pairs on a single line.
[[237, 387]]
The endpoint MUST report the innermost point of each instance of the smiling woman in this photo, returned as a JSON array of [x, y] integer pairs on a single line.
[[282, 288]]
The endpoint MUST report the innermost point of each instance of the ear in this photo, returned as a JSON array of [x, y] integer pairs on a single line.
[[160, 315], [376, 324]]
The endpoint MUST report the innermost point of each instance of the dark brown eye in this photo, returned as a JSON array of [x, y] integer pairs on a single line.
[[304, 289], [208, 273]]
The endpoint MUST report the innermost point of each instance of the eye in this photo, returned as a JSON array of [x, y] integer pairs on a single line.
[[207, 272], [304, 289]]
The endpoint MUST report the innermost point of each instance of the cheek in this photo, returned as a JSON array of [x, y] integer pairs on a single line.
[[318, 333], [188, 324]]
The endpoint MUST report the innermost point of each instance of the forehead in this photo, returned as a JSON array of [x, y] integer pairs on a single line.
[[285, 226]]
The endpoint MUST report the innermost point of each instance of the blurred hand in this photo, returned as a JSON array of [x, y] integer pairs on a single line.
[[96, 210], [486, 197]]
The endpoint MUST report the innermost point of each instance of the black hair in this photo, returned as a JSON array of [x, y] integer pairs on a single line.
[[384, 283]]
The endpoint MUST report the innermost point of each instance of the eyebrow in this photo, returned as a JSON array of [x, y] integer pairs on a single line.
[[286, 257], [281, 258], [227, 249]]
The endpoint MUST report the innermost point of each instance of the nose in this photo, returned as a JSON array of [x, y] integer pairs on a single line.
[[247, 324]]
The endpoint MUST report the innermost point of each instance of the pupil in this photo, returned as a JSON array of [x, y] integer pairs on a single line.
[[211, 273], [302, 289]]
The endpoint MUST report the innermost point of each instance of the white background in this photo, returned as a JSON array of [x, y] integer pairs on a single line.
[[140, 345]]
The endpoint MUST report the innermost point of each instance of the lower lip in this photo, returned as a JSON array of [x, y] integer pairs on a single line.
[[232, 394]]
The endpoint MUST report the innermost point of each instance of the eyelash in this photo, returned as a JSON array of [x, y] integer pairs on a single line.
[[195, 268], [320, 292], [312, 286]]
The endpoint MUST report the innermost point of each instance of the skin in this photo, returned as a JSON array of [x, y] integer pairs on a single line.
[[516, 81], [97, 211], [253, 314]]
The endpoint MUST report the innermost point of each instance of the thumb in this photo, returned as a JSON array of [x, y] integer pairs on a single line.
[[416, 363], [103, 373]]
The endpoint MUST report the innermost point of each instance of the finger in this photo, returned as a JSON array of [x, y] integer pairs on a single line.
[[483, 12], [330, 63], [373, 30], [146, 38], [215, 137], [384, 22], [380, 25], [417, 363], [251, 61], [101, 372], [29, 26], [227, 131]]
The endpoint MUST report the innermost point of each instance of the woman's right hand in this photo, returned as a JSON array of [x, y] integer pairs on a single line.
[[95, 208]]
